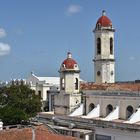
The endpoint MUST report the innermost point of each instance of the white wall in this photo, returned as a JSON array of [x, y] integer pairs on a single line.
[[121, 101], [117, 134], [105, 67]]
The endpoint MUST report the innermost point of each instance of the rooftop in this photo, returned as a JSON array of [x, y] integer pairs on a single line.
[[91, 123], [37, 133], [124, 86], [104, 20]]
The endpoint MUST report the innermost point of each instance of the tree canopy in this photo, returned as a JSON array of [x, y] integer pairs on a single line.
[[17, 103]]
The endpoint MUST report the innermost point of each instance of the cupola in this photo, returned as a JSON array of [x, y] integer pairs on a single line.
[[103, 21], [69, 64]]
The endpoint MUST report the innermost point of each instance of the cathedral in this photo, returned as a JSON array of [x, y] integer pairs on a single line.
[[101, 110]]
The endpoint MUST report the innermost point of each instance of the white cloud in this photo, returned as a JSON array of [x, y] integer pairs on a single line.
[[4, 49], [2, 33], [73, 9]]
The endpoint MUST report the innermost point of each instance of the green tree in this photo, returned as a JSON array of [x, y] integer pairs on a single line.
[[11, 115], [18, 103]]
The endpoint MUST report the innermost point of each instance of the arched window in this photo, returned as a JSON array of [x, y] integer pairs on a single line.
[[129, 111], [62, 84], [109, 109], [76, 83], [111, 45], [98, 73], [98, 45], [91, 107]]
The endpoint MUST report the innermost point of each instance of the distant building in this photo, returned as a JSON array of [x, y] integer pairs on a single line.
[[17, 82], [42, 86]]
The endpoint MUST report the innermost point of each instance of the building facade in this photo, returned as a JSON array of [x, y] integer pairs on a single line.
[[105, 109], [42, 86]]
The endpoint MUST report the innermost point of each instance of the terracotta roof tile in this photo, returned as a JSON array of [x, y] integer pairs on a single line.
[[41, 133], [69, 63], [116, 86], [104, 21]]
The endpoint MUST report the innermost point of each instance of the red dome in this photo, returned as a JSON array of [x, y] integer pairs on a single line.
[[69, 63], [104, 20]]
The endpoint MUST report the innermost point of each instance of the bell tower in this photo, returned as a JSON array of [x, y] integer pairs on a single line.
[[104, 62], [69, 97], [69, 75]]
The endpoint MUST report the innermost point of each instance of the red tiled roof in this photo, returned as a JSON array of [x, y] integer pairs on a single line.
[[41, 133], [115, 86], [69, 63], [104, 21]]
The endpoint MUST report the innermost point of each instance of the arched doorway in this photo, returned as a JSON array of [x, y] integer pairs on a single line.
[[109, 109], [129, 111], [91, 107]]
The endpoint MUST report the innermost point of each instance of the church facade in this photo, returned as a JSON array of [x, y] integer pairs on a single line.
[[106, 110]]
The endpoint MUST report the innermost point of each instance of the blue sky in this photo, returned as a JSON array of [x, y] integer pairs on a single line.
[[35, 35]]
